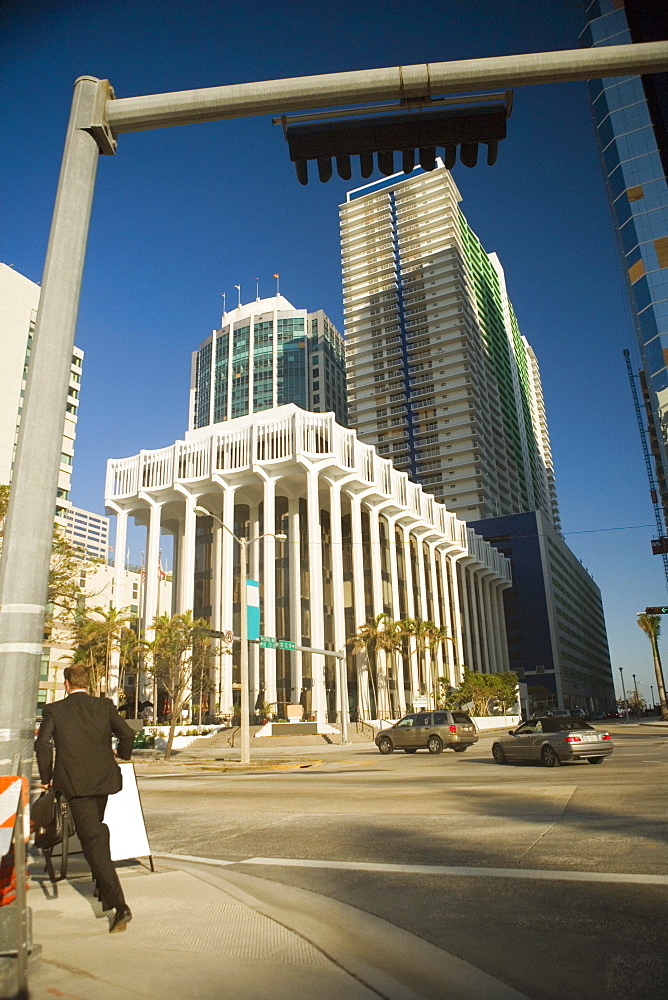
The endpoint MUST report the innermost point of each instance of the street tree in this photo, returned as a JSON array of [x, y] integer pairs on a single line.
[[504, 687], [651, 626], [485, 690], [182, 649]]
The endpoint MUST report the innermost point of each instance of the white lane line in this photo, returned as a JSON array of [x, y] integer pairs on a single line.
[[190, 857], [367, 866]]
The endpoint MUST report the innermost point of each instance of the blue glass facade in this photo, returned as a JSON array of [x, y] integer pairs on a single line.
[[555, 627], [629, 113]]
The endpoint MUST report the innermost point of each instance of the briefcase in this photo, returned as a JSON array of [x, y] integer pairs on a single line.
[[52, 822]]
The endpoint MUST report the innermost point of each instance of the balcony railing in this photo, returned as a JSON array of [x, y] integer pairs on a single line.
[[281, 438]]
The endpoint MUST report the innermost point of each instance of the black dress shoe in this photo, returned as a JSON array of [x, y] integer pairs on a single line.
[[121, 919]]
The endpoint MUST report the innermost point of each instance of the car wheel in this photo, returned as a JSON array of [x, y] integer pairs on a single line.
[[548, 755], [498, 754], [410, 749], [595, 760], [385, 744], [435, 744], [460, 748]]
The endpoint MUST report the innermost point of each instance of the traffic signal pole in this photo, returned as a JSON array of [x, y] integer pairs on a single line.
[[97, 118], [409, 83]]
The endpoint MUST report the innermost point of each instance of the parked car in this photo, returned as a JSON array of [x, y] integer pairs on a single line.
[[552, 741], [576, 713], [433, 731]]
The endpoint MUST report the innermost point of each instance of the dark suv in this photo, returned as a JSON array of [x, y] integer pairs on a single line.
[[434, 731]]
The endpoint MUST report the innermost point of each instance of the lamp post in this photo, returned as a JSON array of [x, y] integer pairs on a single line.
[[626, 706], [651, 687], [635, 685], [244, 543]]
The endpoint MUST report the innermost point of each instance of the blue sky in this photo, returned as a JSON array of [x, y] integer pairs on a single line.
[[182, 215]]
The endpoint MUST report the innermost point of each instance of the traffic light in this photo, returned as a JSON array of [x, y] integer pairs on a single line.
[[656, 611], [384, 135]]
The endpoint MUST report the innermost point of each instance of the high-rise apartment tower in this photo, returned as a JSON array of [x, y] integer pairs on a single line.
[[19, 299], [266, 354], [440, 379]]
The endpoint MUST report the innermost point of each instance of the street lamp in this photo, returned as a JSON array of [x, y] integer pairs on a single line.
[[244, 543], [626, 706], [635, 684]]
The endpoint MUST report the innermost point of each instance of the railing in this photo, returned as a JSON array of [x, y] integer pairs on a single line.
[[232, 450]]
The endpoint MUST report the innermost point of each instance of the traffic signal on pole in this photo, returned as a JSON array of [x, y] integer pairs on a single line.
[[656, 611], [382, 136]]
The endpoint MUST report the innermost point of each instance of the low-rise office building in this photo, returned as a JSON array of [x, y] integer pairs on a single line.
[[361, 540], [557, 641]]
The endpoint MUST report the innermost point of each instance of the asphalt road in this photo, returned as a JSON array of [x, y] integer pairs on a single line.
[[552, 880]]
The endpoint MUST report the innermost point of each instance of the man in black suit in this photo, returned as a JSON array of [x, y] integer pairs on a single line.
[[80, 728]]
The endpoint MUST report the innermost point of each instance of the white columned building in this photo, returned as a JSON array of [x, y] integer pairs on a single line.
[[362, 540]]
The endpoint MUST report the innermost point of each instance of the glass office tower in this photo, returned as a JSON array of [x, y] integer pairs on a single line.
[[631, 120], [265, 354]]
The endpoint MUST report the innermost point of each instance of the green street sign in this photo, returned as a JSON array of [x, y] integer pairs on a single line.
[[285, 644], [268, 642]]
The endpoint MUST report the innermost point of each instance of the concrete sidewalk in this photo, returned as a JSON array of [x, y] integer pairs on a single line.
[[201, 932]]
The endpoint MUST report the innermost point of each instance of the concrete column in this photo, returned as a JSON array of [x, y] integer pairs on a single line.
[[363, 703], [443, 556], [337, 589], [227, 595], [216, 600], [269, 587], [188, 569], [315, 594], [119, 573], [295, 597], [152, 557], [254, 678], [466, 615], [394, 577], [423, 614], [436, 668], [410, 603], [382, 690], [475, 618], [458, 624]]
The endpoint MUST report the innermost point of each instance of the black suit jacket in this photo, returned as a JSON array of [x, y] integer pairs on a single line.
[[80, 729]]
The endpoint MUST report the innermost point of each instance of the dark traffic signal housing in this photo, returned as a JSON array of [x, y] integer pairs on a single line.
[[418, 128], [656, 611]]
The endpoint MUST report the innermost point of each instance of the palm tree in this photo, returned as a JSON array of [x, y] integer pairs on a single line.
[[651, 626], [380, 633], [427, 636], [97, 632]]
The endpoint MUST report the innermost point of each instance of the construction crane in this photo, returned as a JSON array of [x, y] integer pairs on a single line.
[[658, 515]]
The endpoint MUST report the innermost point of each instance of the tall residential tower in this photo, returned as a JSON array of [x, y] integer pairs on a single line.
[[440, 379]]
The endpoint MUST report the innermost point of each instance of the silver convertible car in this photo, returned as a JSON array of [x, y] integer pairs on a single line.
[[553, 740]]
